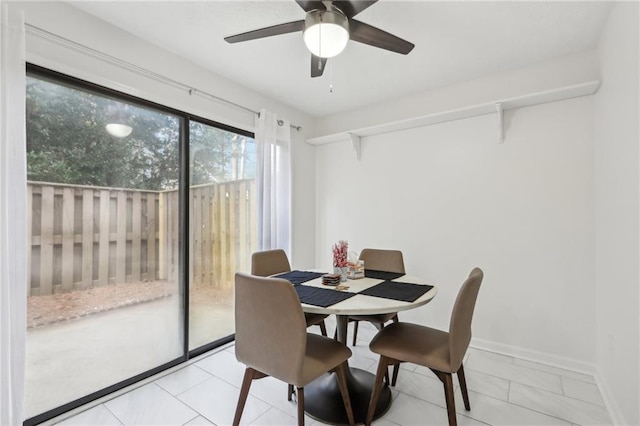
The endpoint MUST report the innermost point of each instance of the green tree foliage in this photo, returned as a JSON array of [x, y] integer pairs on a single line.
[[218, 155], [67, 143]]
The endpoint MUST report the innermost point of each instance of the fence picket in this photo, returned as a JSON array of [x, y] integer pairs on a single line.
[[196, 234], [121, 238], [206, 236], [151, 234], [162, 236], [68, 234], [136, 237], [233, 232], [30, 233], [216, 229], [175, 237], [103, 238], [87, 237], [46, 241], [223, 197], [242, 226]]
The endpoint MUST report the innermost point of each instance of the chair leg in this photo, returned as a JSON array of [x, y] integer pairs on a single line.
[[396, 370], [463, 388], [355, 332], [344, 391], [290, 393], [377, 387], [380, 327], [323, 328], [249, 374], [451, 404], [300, 406], [447, 381]]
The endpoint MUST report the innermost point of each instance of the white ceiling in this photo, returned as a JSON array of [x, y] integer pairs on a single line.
[[455, 42]]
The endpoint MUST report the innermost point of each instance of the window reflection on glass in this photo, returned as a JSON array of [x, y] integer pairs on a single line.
[[104, 303], [222, 226]]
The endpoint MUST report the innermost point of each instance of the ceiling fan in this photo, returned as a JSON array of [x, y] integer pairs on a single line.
[[327, 27]]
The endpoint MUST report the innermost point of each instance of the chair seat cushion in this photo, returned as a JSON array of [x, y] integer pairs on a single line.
[[377, 318], [416, 344], [313, 319], [322, 354]]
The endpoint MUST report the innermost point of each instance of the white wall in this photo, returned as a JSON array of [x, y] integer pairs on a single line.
[[72, 24], [566, 71], [617, 214], [452, 198]]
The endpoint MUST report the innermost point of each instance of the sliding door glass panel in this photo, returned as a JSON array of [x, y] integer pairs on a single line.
[[222, 224], [103, 303]]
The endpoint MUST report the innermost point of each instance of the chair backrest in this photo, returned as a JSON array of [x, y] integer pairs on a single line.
[[461, 316], [383, 260], [271, 332], [269, 262]]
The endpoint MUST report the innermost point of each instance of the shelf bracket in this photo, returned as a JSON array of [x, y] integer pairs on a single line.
[[500, 122], [355, 142]]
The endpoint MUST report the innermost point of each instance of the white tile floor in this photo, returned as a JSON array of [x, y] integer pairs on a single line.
[[503, 391]]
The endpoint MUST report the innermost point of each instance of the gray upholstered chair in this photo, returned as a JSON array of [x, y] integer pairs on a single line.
[[440, 351], [270, 262], [387, 261], [264, 308]]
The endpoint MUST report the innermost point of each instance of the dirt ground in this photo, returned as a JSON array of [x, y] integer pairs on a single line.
[[55, 308]]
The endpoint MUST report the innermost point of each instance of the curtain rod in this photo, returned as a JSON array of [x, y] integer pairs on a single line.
[[140, 70]]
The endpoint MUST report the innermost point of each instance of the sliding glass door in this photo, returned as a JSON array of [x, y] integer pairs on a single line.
[[222, 205], [104, 302], [112, 184]]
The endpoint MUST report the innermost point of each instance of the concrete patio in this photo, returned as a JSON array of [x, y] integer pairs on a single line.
[[71, 359]]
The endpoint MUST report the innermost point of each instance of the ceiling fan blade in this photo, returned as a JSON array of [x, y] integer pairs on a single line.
[[353, 7], [365, 33], [309, 5], [317, 65], [289, 27]]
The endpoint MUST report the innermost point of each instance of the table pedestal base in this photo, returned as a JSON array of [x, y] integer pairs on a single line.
[[323, 401]]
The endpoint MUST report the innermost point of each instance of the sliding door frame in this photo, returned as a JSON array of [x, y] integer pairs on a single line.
[[183, 231]]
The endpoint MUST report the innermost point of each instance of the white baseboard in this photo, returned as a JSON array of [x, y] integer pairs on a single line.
[[561, 362], [578, 366], [609, 401]]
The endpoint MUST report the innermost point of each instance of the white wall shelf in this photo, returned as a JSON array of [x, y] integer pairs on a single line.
[[496, 107]]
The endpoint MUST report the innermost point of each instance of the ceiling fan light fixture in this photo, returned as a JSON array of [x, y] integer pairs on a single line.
[[326, 32]]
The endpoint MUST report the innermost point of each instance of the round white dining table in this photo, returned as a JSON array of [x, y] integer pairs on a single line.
[[322, 396]]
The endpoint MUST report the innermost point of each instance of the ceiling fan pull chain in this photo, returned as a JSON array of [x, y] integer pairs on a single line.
[[331, 77]]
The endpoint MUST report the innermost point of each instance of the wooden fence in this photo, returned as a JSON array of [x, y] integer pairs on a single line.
[[90, 236]]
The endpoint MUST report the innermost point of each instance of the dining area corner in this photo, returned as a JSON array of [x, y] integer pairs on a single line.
[[273, 311]]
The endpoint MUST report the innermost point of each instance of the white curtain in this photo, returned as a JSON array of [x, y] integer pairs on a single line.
[[273, 182], [13, 214]]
